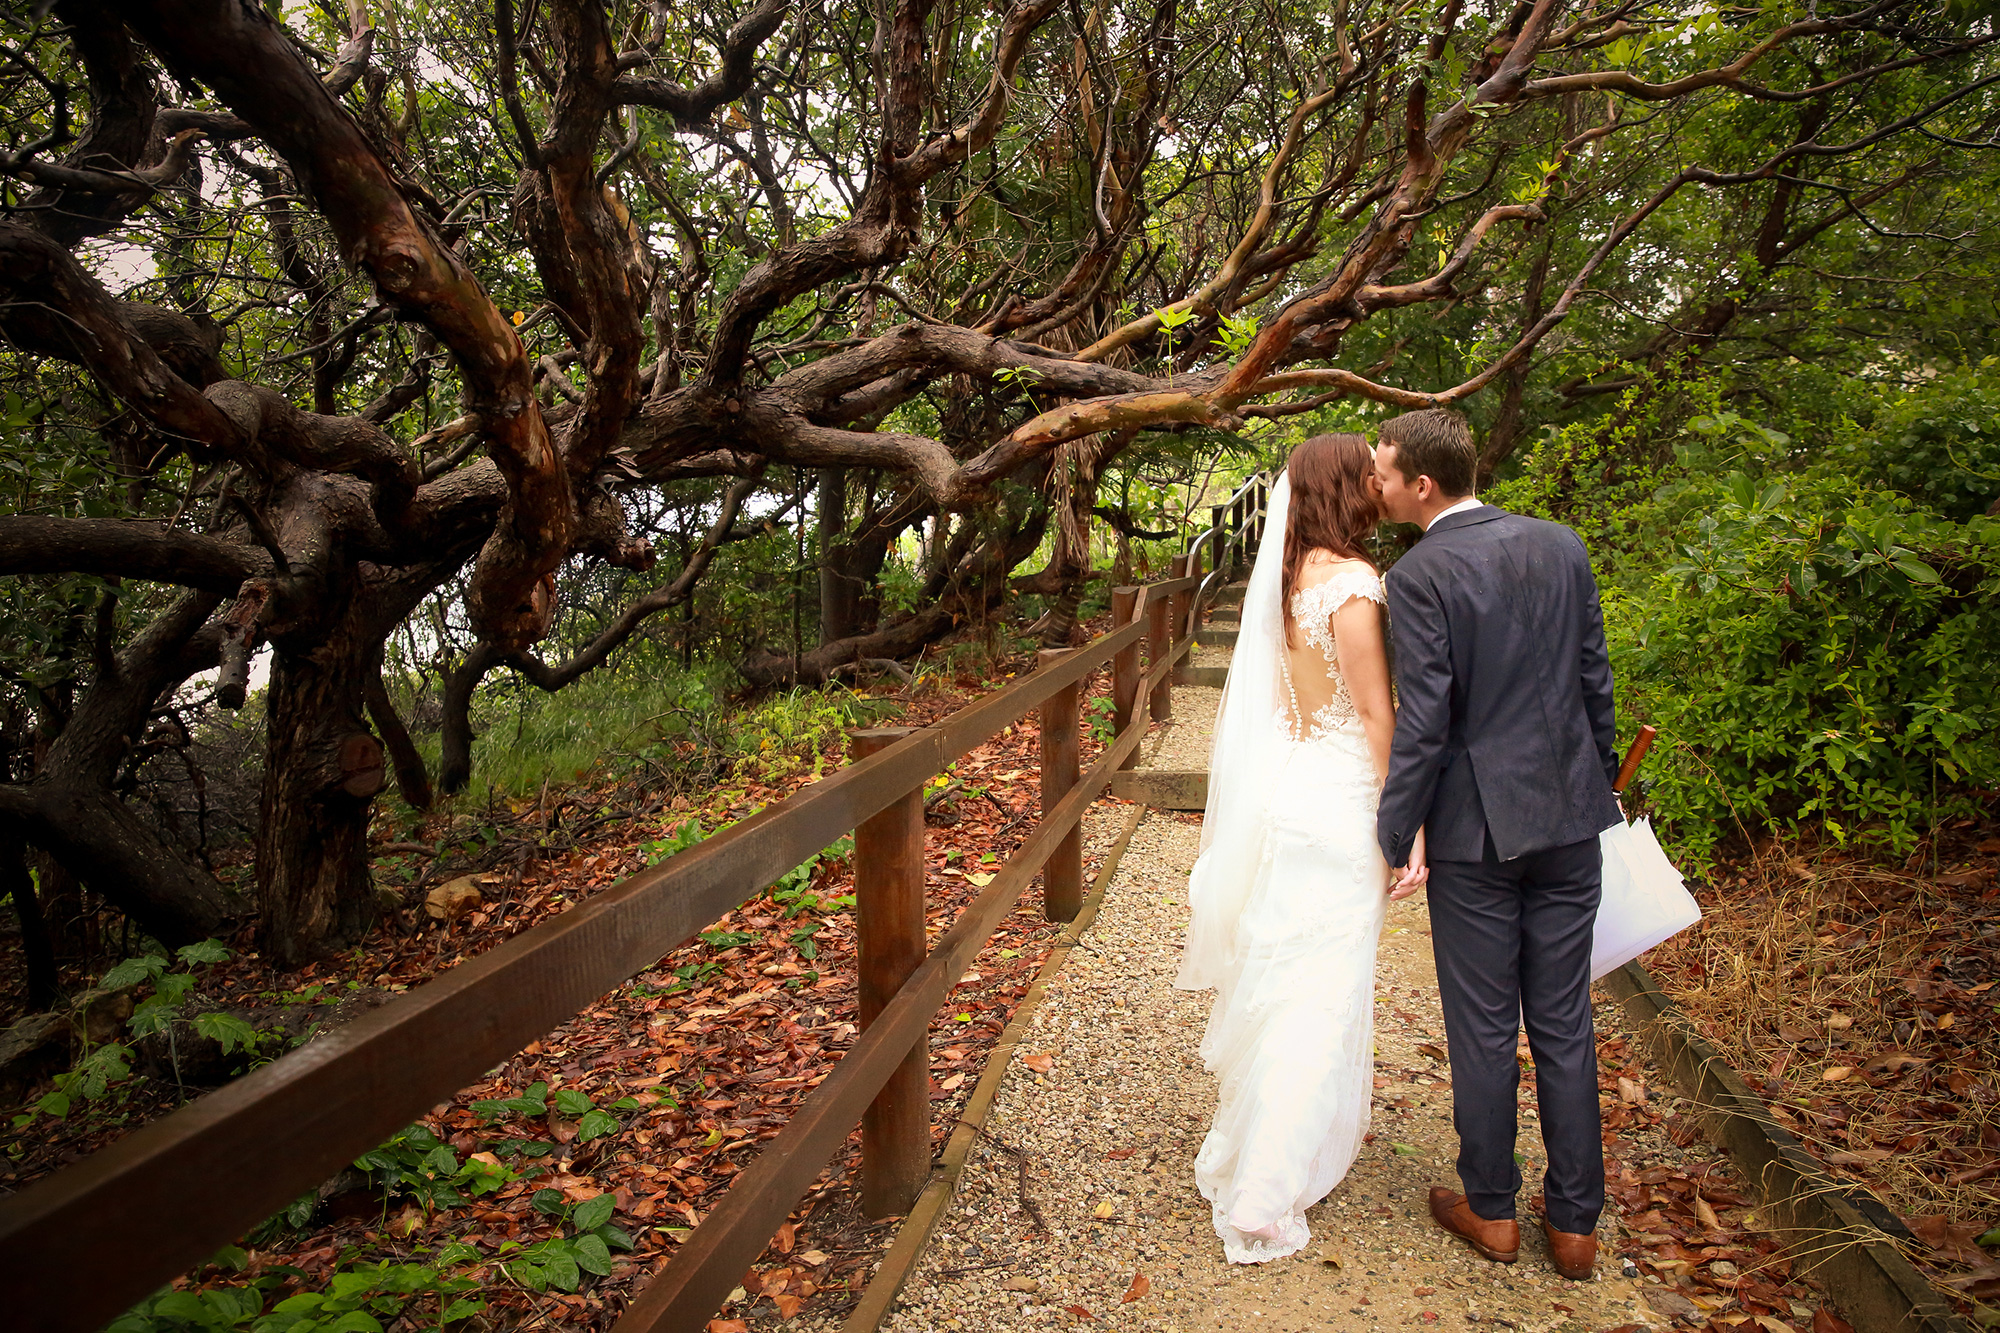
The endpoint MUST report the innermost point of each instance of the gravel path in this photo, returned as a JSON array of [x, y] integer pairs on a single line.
[[1110, 1131], [1080, 1206]]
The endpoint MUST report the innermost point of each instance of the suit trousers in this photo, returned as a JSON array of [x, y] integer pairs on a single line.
[[1512, 941]]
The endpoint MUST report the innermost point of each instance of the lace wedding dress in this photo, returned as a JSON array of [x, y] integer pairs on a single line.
[[1288, 898]]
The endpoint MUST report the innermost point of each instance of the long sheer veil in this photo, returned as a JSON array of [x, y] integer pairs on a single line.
[[1243, 755]]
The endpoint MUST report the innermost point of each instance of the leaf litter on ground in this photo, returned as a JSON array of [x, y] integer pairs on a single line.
[[655, 1097]]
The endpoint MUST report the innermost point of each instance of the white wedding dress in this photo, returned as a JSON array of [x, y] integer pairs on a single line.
[[1288, 898]]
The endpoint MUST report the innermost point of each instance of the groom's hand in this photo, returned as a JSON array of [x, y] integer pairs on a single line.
[[1409, 878]]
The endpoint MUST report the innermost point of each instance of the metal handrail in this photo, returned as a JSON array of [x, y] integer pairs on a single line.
[[1260, 481]]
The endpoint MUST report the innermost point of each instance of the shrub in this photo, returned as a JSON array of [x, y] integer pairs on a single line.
[[1818, 648]]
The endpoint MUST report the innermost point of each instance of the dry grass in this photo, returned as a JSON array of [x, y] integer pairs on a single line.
[[1859, 997]]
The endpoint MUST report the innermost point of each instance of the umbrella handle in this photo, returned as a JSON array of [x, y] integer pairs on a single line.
[[1640, 744]]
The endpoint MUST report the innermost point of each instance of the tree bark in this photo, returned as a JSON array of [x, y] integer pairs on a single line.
[[322, 769], [412, 779], [455, 740], [44, 989]]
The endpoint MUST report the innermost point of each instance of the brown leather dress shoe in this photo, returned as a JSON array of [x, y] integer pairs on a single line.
[[1498, 1241], [1574, 1256]]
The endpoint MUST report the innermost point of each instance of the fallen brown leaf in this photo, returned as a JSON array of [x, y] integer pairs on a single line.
[[1040, 1062], [1141, 1284], [1953, 1241]]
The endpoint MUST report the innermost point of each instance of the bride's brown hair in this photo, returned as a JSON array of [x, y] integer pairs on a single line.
[[1333, 506]]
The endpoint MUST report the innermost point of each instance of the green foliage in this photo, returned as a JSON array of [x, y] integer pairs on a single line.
[[1101, 716], [419, 1164], [365, 1298], [1939, 443], [592, 1121], [562, 1261], [684, 836], [1813, 651], [97, 1074]]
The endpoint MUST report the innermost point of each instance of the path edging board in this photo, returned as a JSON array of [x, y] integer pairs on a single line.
[[922, 1219], [1852, 1245]]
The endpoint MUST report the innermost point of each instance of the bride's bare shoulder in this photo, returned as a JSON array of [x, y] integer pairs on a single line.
[[1322, 566]]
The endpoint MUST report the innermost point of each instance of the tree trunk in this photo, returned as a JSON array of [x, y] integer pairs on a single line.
[[455, 739], [839, 593], [322, 769], [44, 990], [412, 779], [105, 845]]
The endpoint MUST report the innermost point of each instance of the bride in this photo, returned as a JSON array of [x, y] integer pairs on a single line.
[[1290, 889]]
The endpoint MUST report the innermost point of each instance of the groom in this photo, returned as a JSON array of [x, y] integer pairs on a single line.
[[1503, 757]]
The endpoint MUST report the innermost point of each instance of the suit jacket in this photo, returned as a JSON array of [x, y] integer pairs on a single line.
[[1505, 726]]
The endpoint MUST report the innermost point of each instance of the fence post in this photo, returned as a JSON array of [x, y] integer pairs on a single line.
[[1125, 673], [1062, 873], [1183, 600], [1235, 536], [1218, 546], [889, 945], [1159, 646]]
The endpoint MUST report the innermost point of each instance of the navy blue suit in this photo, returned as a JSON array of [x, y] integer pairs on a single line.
[[1504, 754]]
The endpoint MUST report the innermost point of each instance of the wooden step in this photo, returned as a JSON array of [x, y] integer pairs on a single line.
[[1216, 638], [1163, 788], [1213, 677]]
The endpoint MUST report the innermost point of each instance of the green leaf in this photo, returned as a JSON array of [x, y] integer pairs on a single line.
[[133, 971], [562, 1271], [355, 1321], [345, 1285], [593, 1213], [486, 1108], [614, 1236], [203, 951], [571, 1102], [183, 1305], [527, 1274], [596, 1125], [548, 1201], [458, 1252], [1917, 570], [1403, 1150], [592, 1255], [232, 1032], [1990, 1238], [462, 1308]]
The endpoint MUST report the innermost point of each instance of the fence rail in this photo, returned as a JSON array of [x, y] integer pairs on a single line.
[[164, 1198]]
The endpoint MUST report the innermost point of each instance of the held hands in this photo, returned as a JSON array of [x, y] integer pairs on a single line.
[[1406, 880]]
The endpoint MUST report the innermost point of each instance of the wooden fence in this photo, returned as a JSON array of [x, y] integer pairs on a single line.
[[83, 1245]]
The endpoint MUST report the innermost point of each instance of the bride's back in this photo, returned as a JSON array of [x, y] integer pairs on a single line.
[[1320, 698]]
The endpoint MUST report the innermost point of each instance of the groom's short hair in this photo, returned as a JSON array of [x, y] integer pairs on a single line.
[[1434, 443]]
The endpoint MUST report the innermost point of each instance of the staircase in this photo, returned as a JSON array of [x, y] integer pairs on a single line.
[[1173, 767]]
